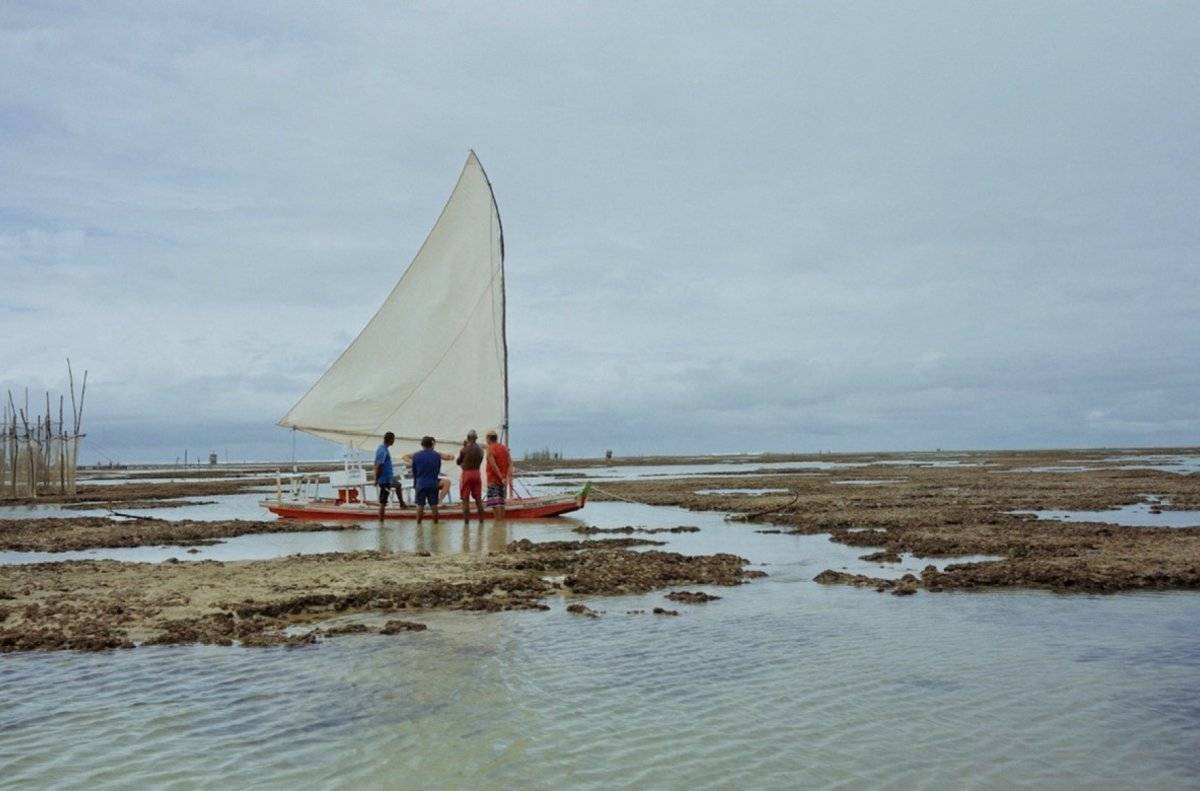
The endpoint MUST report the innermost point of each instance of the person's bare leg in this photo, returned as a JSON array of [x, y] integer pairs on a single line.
[[466, 503], [420, 512], [478, 507], [434, 508]]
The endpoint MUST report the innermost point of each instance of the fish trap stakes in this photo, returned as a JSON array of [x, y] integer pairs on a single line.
[[39, 456]]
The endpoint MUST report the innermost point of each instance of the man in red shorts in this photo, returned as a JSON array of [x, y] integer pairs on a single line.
[[470, 458]]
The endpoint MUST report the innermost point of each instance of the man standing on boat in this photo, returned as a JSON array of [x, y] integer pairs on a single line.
[[385, 477], [499, 474], [427, 467], [470, 458]]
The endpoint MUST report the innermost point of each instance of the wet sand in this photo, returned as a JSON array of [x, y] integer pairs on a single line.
[[102, 604], [886, 509], [939, 512]]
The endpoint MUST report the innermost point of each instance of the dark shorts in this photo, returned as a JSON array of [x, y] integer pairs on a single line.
[[470, 485], [495, 495], [385, 489], [427, 495]]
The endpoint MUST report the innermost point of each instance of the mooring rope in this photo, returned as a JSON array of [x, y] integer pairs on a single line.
[[135, 516], [744, 517], [618, 497], [729, 517]]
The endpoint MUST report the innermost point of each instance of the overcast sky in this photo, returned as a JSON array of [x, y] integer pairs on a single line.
[[780, 226]]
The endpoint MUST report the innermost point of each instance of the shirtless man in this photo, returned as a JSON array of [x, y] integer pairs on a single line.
[[470, 458]]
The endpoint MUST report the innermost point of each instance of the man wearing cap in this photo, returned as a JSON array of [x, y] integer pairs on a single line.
[[426, 466], [385, 477], [499, 474], [470, 458]]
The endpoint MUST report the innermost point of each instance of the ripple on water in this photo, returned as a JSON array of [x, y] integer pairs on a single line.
[[782, 683]]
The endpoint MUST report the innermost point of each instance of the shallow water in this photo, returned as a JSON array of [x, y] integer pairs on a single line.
[[1181, 463], [781, 683], [1137, 515]]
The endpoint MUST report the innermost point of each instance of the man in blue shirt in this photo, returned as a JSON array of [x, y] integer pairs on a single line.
[[426, 467], [385, 478]]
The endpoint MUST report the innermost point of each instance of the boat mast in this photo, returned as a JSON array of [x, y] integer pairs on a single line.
[[503, 299]]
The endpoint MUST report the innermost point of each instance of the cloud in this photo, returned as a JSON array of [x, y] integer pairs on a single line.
[[771, 227]]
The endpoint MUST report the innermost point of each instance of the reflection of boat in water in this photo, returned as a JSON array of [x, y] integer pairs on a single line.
[[433, 360]]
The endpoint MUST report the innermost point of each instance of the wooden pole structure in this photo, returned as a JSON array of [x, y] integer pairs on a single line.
[[12, 407], [4, 447], [48, 445], [74, 413], [62, 451], [28, 454], [32, 446]]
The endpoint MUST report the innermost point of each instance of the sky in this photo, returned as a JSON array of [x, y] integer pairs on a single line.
[[729, 227]]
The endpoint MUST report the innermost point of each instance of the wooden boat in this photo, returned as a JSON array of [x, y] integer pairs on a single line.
[[433, 360], [362, 508]]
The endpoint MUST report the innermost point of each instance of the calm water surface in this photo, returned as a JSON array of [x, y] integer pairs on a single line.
[[1136, 515], [782, 683]]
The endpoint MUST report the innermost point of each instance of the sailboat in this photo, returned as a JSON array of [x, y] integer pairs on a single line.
[[432, 361]]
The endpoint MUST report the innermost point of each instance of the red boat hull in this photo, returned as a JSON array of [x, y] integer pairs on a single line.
[[516, 508]]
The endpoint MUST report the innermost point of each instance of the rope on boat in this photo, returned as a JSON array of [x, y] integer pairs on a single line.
[[515, 481]]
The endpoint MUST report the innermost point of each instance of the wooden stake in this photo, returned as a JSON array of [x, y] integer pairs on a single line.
[[49, 442], [82, 393], [74, 412], [12, 408], [62, 450], [28, 450]]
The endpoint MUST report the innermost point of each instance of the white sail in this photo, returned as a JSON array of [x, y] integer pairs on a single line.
[[433, 359]]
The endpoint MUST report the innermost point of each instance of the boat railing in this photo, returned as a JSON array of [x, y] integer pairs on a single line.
[[297, 487]]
